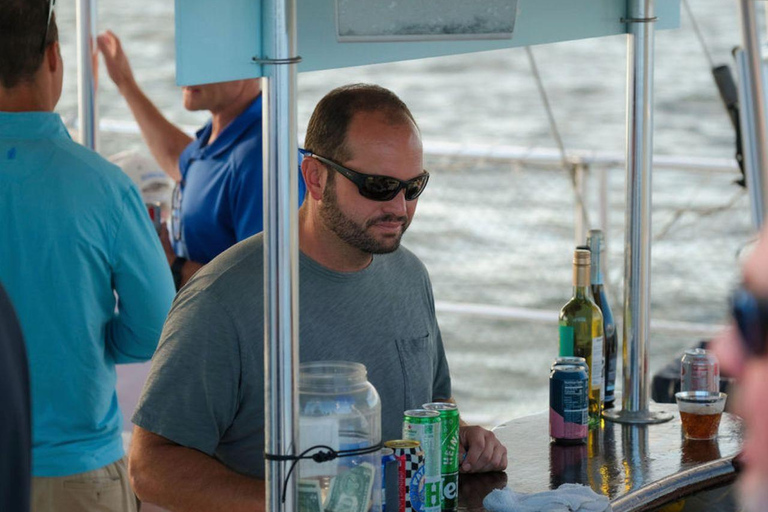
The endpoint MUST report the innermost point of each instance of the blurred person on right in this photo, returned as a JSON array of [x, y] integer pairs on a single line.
[[743, 354]]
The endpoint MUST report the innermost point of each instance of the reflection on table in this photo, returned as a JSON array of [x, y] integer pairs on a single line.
[[639, 467]]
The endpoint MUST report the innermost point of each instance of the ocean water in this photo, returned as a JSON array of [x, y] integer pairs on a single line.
[[495, 233]]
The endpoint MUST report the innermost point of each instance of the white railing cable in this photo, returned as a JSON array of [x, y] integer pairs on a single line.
[[545, 316]]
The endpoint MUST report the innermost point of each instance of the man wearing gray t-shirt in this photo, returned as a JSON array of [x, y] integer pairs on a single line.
[[199, 439]]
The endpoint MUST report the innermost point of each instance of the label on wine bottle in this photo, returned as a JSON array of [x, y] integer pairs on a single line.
[[566, 341], [597, 363]]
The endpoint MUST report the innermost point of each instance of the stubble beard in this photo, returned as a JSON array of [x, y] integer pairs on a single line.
[[353, 233]]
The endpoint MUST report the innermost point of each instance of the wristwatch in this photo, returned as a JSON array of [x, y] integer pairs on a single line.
[[176, 267]]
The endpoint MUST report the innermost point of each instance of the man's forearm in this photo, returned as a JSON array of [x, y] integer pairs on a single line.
[[165, 140], [183, 479]]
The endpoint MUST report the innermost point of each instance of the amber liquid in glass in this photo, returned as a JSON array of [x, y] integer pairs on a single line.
[[700, 426]]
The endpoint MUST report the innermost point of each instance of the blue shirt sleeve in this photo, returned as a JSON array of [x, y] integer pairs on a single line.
[[142, 282]]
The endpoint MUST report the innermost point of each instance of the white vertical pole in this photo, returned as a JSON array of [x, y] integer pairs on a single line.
[[749, 143], [87, 111], [755, 89], [281, 248]]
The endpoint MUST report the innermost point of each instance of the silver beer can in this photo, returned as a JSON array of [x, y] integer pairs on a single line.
[[699, 371]]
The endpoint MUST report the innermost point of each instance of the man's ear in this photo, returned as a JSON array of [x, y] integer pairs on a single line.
[[52, 57], [315, 177]]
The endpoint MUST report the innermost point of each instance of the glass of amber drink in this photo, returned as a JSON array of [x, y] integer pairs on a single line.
[[700, 413]]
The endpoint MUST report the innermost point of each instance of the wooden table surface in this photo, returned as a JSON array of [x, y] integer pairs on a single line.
[[639, 467]]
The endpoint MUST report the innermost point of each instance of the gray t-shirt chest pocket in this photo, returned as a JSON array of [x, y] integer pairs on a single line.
[[417, 362]]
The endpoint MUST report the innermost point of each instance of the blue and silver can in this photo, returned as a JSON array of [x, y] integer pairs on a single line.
[[389, 479], [568, 404], [570, 361]]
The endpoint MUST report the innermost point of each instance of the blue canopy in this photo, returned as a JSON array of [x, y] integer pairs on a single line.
[[217, 42]]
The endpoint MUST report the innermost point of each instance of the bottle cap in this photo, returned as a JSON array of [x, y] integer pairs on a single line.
[[582, 258]]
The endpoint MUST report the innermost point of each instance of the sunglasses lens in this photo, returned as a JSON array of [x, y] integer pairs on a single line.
[[380, 188], [415, 187]]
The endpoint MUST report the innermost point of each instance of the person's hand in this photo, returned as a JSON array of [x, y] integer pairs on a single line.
[[480, 451], [165, 240], [118, 67]]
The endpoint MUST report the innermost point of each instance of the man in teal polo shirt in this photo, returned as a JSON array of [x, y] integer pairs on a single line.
[[82, 265], [218, 198]]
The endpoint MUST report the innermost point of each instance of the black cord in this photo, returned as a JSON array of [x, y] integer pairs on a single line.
[[319, 457]]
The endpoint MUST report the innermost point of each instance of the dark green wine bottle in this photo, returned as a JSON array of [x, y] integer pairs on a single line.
[[581, 332]]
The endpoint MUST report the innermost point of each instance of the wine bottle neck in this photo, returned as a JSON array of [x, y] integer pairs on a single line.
[[596, 272], [580, 276], [580, 292], [596, 255]]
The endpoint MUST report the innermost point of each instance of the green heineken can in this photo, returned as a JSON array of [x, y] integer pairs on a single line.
[[424, 426], [449, 428]]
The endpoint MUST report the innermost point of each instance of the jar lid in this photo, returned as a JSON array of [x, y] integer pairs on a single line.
[[331, 375]]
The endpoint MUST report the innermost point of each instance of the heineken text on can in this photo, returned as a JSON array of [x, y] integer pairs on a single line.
[[449, 470], [568, 404], [424, 426], [410, 459]]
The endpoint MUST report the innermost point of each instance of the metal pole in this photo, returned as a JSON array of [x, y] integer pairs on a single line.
[[604, 202], [281, 248], [580, 227], [604, 209], [637, 248], [755, 89], [765, 15], [87, 110], [749, 143]]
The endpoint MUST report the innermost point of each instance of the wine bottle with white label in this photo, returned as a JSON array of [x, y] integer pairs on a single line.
[[581, 332]]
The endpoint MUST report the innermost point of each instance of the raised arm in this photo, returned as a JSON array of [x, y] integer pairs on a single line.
[[165, 140], [178, 478]]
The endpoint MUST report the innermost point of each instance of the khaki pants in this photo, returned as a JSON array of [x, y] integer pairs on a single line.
[[105, 489]]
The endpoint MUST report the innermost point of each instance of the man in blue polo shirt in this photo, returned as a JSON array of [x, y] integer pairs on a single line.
[[82, 265], [218, 199]]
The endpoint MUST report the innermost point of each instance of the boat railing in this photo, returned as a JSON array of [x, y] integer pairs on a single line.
[[585, 164]]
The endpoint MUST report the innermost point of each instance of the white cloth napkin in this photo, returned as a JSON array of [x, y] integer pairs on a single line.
[[566, 498]]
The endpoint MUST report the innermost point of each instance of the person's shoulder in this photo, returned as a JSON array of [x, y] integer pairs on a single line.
[[86, 167], [239, 267]]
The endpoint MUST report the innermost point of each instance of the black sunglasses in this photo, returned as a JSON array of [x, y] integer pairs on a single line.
[[376, 187], [51, 3], [751, 316]]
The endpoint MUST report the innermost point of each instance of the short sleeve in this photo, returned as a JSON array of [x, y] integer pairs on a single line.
[[441, 387], [192, 393]]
